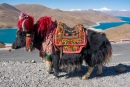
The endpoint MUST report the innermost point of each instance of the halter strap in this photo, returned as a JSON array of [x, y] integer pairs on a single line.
[[28, 35], [24, 29]]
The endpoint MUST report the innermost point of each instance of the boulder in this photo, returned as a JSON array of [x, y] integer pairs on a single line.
[[120, 68], [2, 45]]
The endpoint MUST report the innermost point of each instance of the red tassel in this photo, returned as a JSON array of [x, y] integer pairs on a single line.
[[28, 23], [44, 26]]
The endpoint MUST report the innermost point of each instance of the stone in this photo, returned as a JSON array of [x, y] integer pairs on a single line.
[[120, 68]]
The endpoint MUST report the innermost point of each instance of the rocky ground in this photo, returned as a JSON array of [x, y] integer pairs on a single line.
[[27, 74], [30, 71]]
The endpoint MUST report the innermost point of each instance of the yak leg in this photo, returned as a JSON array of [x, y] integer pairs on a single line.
[[99, 72], [90, 69], [43, 59], [55, 61], [48, 65], [41, 55]]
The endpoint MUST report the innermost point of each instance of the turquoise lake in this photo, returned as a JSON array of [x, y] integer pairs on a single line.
[[8, 35], [105, 25]]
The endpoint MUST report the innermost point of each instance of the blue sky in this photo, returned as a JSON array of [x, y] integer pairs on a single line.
[[75, 4]]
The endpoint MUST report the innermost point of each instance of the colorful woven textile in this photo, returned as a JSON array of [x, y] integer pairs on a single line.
[[71, 39]]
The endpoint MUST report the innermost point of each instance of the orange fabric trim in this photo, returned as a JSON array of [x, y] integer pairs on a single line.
[[28, 42]]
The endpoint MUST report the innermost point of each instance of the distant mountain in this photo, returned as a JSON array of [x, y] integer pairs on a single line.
[[113, 12], [103, 9], [38, 11], [9, 15], [117, 13], [71, 18]]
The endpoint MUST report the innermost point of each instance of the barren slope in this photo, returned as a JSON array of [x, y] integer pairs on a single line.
[[118, 33]]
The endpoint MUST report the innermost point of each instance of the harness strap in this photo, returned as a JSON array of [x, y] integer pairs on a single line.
[[61, 52], [86, 32]]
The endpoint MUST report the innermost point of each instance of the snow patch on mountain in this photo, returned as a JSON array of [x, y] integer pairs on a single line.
[[103, 9], [74, 10]]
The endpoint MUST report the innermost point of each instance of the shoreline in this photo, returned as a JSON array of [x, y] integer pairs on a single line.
[[99, 23], [8, 28], [124, 16]]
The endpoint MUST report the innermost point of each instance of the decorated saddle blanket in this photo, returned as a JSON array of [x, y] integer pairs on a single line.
[[72, 40]]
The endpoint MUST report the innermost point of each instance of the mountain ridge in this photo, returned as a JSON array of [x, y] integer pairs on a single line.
[[9, 17]]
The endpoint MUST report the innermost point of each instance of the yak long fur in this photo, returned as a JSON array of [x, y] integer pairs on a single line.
[[97, 51]]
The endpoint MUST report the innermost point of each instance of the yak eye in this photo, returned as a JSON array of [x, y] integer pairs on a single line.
[[23, 34], [19, 33]]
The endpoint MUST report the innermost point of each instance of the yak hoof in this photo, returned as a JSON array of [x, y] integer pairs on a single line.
[[84, 77], [43, 59], [55, 73], [99, 73]]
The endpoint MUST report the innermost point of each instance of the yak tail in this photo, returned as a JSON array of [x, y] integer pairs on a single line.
[[108, 52]]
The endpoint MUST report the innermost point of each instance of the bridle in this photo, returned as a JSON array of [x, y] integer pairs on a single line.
[[29, 37], [29, 41]]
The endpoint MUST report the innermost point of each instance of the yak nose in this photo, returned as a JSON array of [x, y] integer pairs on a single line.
[[15, 47]]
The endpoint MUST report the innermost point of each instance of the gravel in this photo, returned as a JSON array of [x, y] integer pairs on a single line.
[[27, 74], [17, 70]]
